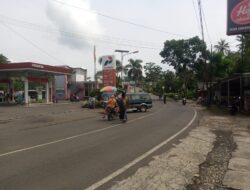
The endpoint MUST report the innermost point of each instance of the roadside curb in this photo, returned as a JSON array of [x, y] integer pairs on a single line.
[[179, 166]]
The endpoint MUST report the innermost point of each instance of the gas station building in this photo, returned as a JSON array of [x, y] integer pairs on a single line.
[[29, 72]]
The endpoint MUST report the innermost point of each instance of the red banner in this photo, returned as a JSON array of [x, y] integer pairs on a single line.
[[109, 77], [36, 79]]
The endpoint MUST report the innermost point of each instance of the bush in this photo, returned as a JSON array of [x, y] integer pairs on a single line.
[[191, 94], [85, 104], [172, 95]]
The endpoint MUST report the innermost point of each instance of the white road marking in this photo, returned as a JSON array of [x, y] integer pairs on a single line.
[[70, 138], [140, 158]]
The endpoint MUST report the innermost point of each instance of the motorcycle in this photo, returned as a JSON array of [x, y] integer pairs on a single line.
[[74, 98], [184, 101], [111, 113], [235, 106]]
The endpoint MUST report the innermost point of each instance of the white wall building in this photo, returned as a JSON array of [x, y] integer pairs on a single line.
[[79, 75]]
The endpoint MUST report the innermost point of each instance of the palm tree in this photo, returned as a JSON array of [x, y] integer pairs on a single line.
[[222, 47], [119, 67], [134, 69], [98, 75]]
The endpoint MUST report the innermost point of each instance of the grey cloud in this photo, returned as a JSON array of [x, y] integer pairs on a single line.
[[73, 24]]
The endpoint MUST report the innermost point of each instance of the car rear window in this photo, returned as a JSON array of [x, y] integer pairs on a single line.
[[140, 97]]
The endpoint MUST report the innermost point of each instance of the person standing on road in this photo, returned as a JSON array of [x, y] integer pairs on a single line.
[[125, 100], [124, 106], [164, 98]]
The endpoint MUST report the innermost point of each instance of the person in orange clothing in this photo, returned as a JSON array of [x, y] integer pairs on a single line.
[[110, 104]]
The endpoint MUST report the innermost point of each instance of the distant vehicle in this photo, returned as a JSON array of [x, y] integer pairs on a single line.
[[139, 101], [74, 98], [184, 101]]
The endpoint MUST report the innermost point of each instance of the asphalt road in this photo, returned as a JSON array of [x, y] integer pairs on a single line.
[[67, 147]]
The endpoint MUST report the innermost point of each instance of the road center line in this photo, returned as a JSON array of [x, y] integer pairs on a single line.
[[129, 165], [72, 137]]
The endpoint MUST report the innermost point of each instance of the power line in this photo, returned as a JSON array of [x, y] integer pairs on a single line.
[[206, 25], [121, 20], [32, 43], [196, 16], [86, 37]]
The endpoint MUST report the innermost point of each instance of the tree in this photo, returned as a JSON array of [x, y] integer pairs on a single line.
[[222, 47], [98, 75], [3, 59], [152, 72], [183, 54], [119, 67], [188, 57], [244, 51], [134, 69]]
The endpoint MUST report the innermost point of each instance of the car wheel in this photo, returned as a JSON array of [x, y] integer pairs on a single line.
[[143, 108]]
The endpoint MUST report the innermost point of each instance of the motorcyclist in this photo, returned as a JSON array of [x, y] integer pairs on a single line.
[[184, 101], [111, 104]]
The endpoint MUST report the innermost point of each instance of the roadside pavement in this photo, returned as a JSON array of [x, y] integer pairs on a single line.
[[215, 155], [44, 114]]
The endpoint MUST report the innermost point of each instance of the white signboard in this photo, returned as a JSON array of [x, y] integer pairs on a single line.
[[108, 62]]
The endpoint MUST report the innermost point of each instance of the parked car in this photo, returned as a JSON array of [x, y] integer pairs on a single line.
[[139, 101]]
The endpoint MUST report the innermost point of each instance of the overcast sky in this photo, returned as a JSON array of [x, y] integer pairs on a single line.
[[63, 32]]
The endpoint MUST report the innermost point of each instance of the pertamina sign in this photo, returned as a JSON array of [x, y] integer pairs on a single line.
[[109, 70], [238, 17], [108, 62]]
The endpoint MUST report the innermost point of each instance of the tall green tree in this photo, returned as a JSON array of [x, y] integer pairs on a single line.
[[134, 69], [188, 58], [244, 45], [152, 72], [222, 47], [184, 54], [3, 59], [119, 67]]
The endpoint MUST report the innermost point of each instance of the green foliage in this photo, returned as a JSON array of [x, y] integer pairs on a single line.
[[85, 104], [188, 58], [134, 69], [119, 67], [18, 85], [172, 95], [3, 87], [222, 47], [184, 54], [152, 72], [95, 93], [3, 59], [40, 101], [192, 94]]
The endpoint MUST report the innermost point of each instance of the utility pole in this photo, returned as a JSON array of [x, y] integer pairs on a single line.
[[201, 20], [124, 53], [205, 61]]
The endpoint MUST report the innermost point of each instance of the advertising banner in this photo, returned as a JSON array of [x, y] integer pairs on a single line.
[[108, 62], [238, 17], [109, 77]]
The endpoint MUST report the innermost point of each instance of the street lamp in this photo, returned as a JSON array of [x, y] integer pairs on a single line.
[[124, 53]]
